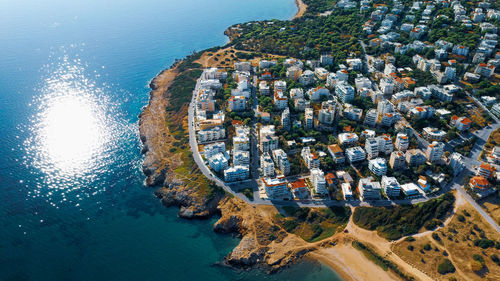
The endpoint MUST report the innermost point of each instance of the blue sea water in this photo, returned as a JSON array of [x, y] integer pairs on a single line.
[[73, 79]]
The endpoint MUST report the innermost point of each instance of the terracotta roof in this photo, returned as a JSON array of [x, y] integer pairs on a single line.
[[300, 183], [479, 182], [488, 167], [335, 148]]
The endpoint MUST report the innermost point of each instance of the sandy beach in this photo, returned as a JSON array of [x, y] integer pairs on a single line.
[[302, 9]]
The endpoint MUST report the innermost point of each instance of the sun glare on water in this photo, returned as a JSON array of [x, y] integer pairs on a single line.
[[75, 133]]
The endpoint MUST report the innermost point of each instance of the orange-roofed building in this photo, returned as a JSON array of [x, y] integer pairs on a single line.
[[486, 170], [330, 179], [299, 189], [479, 183]]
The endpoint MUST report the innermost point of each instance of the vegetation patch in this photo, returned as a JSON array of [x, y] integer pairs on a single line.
[[313, 224], [379, 260], [446, 267], [394, 222]]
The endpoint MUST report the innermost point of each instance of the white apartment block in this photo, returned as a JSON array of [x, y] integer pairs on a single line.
[[211, 134], [236, 173], [211, 149], [318, 181], [369, 189], [371, 147], [348, 138], [281, 161], [267, 165], [310, 158], [267, 139], [276, 188], [355, 154], [241, 158], [378, 166], [434, 151], [218, 162], [402, 142], [391, 187]]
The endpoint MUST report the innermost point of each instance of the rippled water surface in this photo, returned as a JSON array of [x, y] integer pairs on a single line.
[[73, 79]]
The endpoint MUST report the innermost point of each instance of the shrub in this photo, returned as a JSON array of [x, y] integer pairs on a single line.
[[461, 218], [436, 236], [495, 259], [410, 247], [484, 243], [476, 266], [446, 267], [410, 239], [427, 247]]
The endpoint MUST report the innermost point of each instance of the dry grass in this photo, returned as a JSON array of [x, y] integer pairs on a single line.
[[492, 207], [456, 242]]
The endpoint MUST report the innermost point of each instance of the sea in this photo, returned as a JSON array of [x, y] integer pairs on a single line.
[[73, 79]]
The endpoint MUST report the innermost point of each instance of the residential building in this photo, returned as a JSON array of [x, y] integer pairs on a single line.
[[433, 134], [337, 153], [371, 147], [308, 118], [276, 188], [352, 113], [211, 134], [299, 189], [355, 154], [371, 117], [457, 163], [423, 184], [348, 138], [285, 119], [410, 190], [236, 173], [397, 160], [378, 166], [434, 151], [479, 183], [486, 170], [241, 141], [369, 189], [281, 161], [218, 162], [415, 157], [310, 158], [384, 144], [461, 123], [237, 103], [344, 92], [317, 93], [495, 155], [212, 149], [346, 191], [307, 78], [241, 158], [391, 187], [267, 165], [280, 100], [280, 85], [318, 181], [402, 142], [267, 139]]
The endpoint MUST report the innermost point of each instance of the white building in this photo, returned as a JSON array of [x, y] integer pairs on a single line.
[[369, 189], [348, 138], [410, 189], [236, 173], [237, 103], [344, 92], [218, 162], [434, 151], [281, 161], [212, 149], [267, 165], [457, 163], [318, 181], [276, 188], [371, 147], [347, 191], [241, 141], [391, 187], [378, 166], [402, 142], [267, 139], [211, 134], [310, 158], [355, 154], [241, 158], [308, 118]]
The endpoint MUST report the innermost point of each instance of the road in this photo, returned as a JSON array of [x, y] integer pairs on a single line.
[[456, 182]]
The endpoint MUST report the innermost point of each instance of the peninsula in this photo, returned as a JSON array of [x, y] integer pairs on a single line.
[[392, 178]]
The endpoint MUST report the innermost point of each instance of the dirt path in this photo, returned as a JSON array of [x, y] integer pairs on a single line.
[[302, 9]]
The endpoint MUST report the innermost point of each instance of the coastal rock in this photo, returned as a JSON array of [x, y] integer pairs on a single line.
[[229, 224]]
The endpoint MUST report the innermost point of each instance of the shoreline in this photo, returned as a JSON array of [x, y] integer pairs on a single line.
[[302, 9]]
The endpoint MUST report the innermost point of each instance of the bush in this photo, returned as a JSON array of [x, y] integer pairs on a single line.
[[394, 222], [410, 239], [446, 267], [427, 247], [476, 266], [484, 243], [290, 225], [495, 259], [461, 218], [410, 247], [436, 236]]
